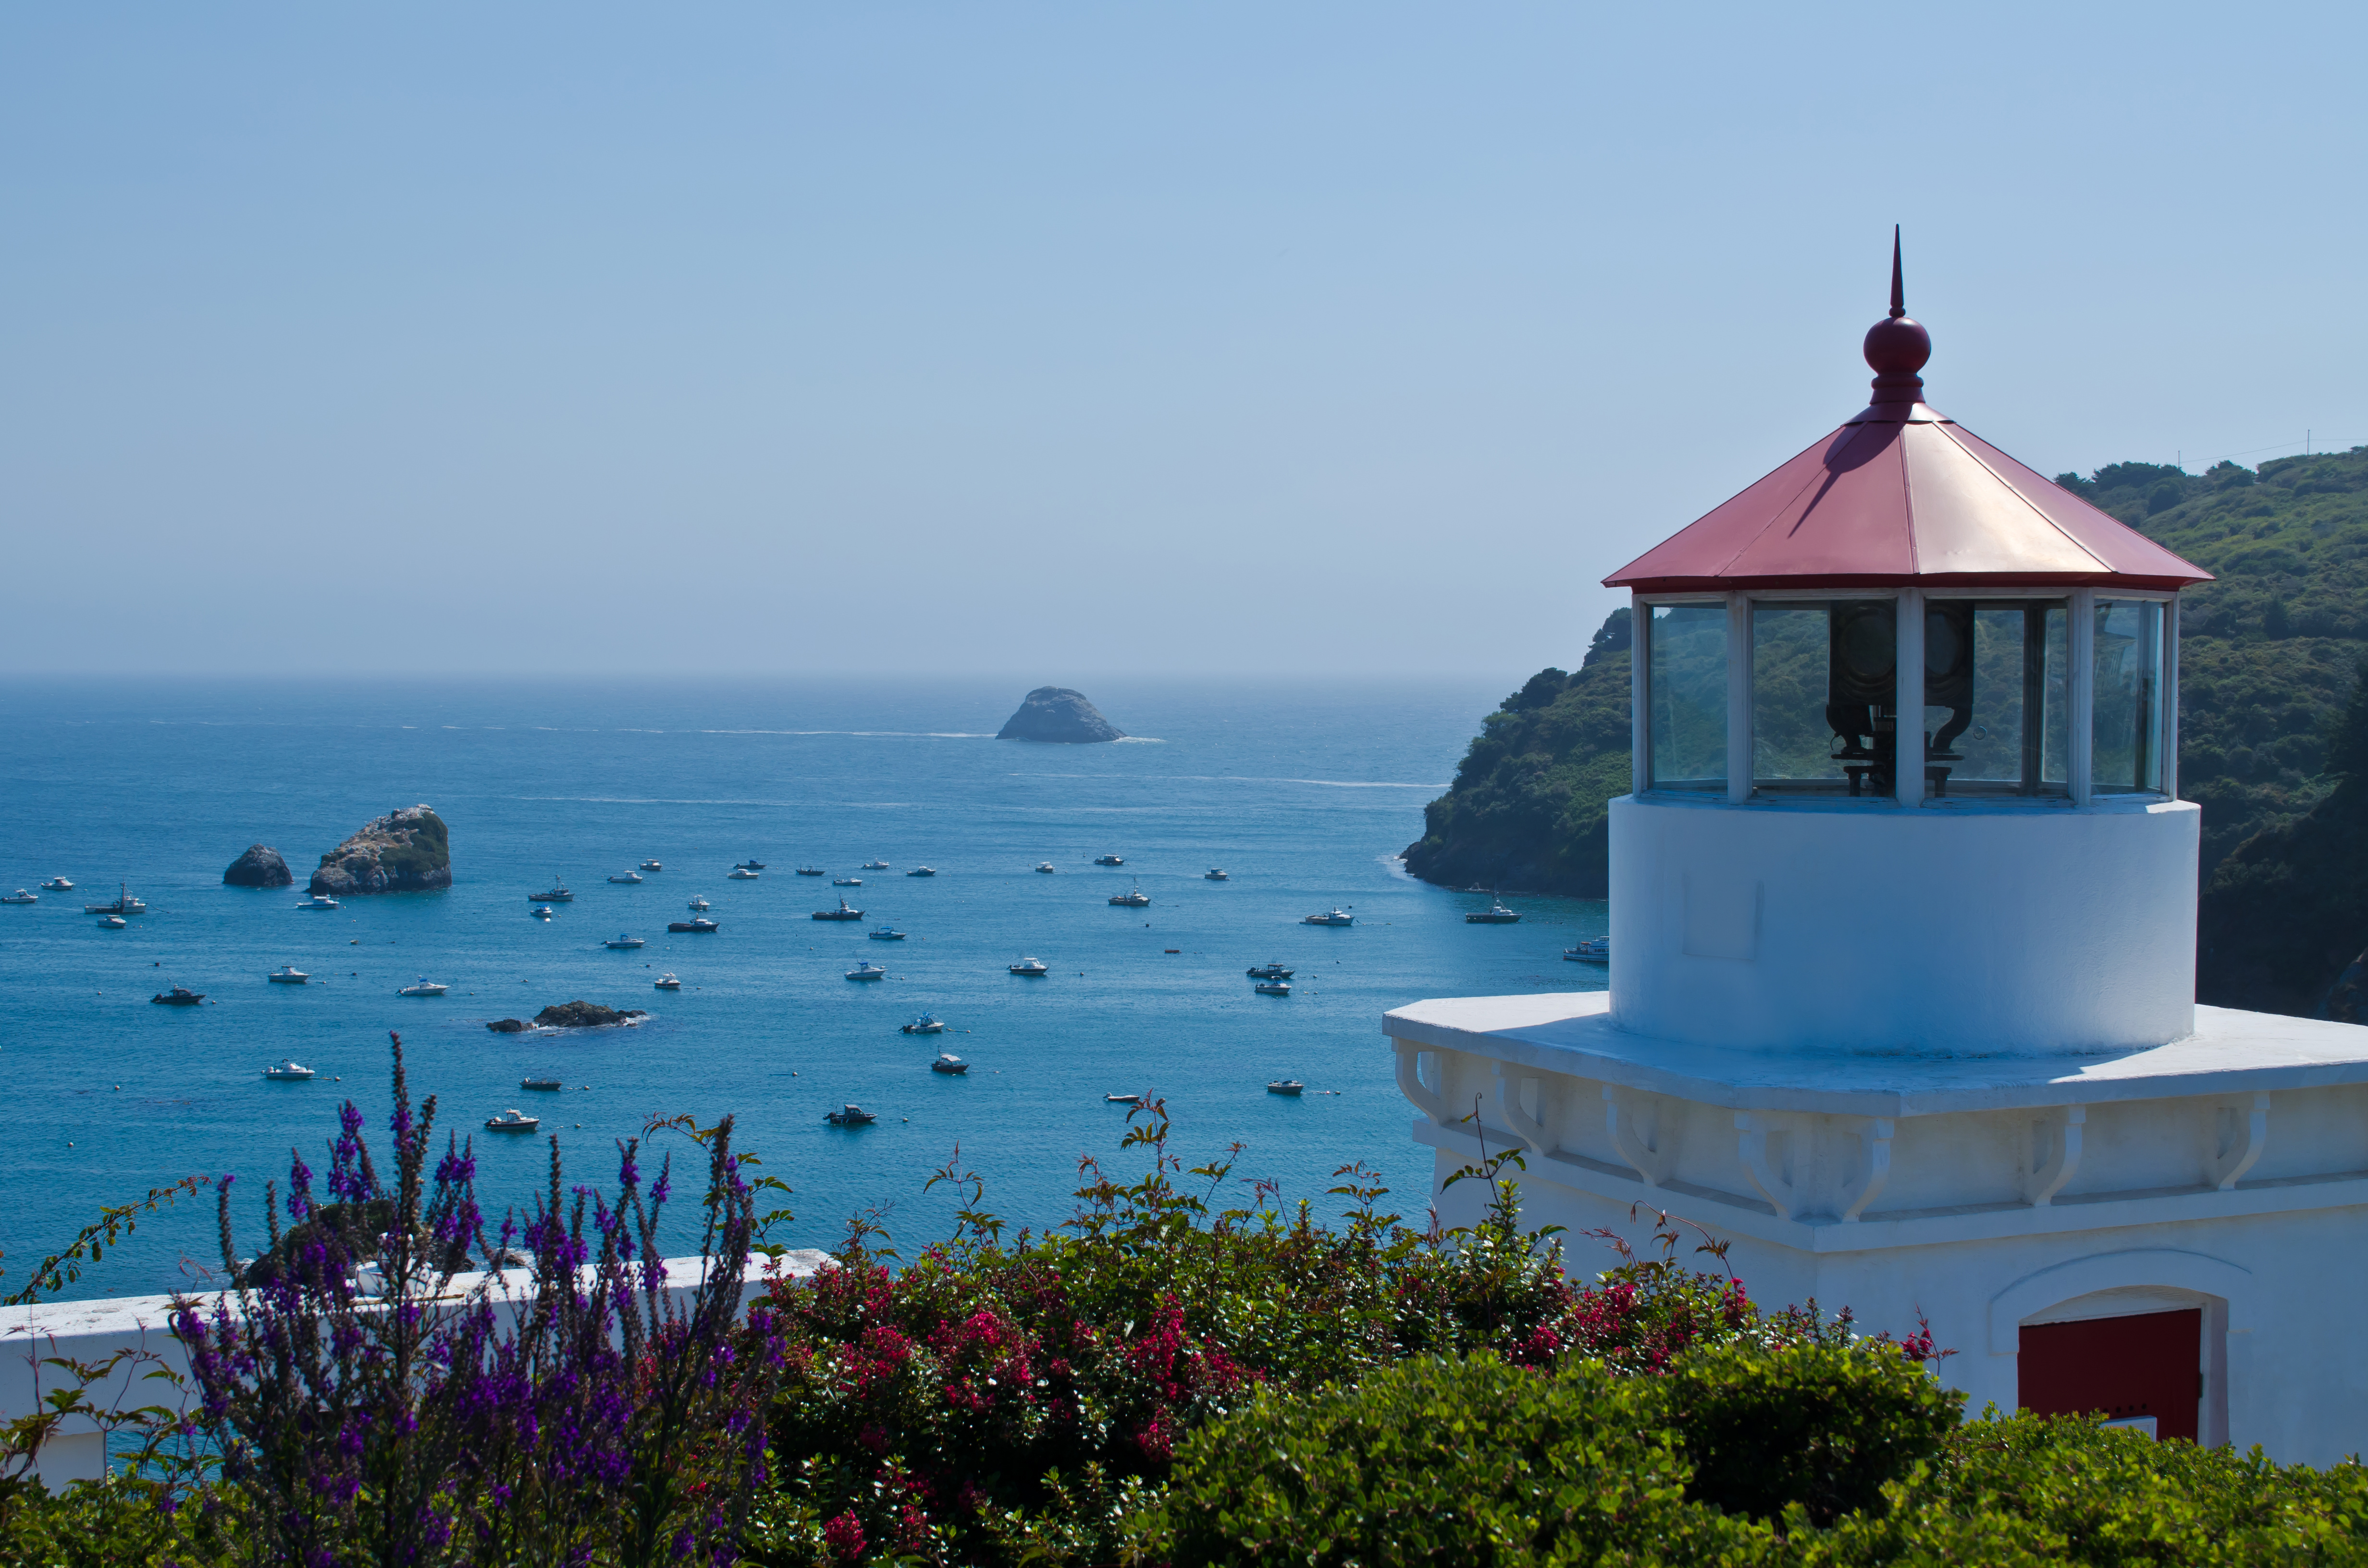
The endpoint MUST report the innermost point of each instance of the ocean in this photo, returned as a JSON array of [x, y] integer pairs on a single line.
[[1303, 794]]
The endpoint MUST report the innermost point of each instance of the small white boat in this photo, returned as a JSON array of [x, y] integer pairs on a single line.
[[651, 865], [628, 876], [922, 871], [512, 1122], [1273, 988], [113, 921], [741, 874], [846, 882], [1337, 917], [1284, 1086], [1135, 898], [318, 901], [620, 942], [928, 1023], [887, 934], [851, 1115], [1109, 861], [542, 912], [700, 903], [1030, 966], [946, 1064], [1214, 875], [1121, 1099], [1047, 867], [1595, 950], [1495, 914], [57, 884], [290, 1071], [21, 896], [868, 972], [875, 864], [287, 974], [666, 982], [423, 986]]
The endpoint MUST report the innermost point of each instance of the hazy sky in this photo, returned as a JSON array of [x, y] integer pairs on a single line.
[[1063, 339]]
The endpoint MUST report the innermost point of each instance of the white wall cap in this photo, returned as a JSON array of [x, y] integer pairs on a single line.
[[1572, 1033]]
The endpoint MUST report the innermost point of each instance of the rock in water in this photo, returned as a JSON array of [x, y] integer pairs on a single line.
[[583, 1015], [403, 851], [1056, 713], [260, 866]]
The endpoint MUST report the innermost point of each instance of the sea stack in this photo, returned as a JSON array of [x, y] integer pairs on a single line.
[[407, 850], [1056, 713], [260, 866]]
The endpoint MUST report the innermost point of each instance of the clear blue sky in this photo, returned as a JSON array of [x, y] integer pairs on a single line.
[[1066, 339]]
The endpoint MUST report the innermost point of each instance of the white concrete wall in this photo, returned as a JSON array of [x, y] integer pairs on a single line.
[[1962, 927]]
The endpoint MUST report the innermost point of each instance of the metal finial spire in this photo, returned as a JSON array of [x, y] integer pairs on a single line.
[[1898, 290]]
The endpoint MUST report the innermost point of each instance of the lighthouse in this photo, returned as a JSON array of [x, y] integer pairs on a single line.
[[1902, 996]]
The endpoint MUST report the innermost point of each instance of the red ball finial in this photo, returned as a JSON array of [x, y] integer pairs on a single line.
[[1898, 346]]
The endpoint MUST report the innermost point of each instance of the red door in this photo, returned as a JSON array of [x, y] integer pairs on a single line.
[[2147, 1364]]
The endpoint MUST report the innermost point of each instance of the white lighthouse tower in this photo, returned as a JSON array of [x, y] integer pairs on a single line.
[[1903, 959]]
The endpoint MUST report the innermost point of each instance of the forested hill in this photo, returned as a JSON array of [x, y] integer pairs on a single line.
[[2268, 655]]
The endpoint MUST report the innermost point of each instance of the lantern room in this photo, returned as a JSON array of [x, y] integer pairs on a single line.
[[1936, 696]]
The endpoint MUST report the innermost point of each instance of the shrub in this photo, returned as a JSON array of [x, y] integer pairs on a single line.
[[995, 1405], [1471, 1461], [2029, 1490], [1821, 1424], [597, 1414]]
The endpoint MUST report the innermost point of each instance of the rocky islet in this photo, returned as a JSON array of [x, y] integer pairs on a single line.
[[407, 850], [576, 1015], [260, 866], [1057, 714]]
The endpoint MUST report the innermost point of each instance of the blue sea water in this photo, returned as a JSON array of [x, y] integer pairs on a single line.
[[1303, 794]]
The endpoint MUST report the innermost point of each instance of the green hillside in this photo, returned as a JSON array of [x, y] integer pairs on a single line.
[[2268, 655]]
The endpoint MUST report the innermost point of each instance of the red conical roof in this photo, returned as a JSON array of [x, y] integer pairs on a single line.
[[1900, 494]]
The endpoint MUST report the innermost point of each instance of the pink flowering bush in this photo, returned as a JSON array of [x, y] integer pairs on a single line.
[[993, 1403]]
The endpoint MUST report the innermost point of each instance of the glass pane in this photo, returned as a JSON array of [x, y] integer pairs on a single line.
[[1996, 697], [2127, 745], [1687, 687], [1822, 696]]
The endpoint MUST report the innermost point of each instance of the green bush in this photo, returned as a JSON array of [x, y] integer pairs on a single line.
[[1472, 1462], [1815, 1454], [2033, 1490], [1822, 1425]]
